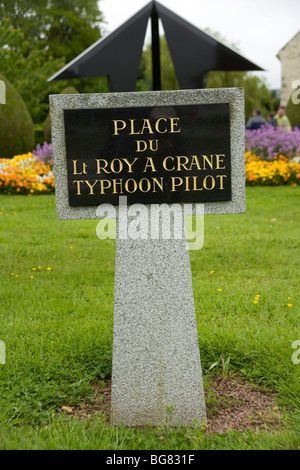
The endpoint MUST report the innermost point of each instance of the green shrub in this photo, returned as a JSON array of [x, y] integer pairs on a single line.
[[16, 127], [293, 110]]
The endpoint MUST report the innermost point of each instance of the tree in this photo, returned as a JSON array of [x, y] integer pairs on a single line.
[[27, 70], [64, 28], [72, 26]]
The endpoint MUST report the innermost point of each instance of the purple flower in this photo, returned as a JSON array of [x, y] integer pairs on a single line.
[[44, 153], [269, 141]]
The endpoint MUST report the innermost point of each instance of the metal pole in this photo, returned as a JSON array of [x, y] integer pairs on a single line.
[[155, 50]]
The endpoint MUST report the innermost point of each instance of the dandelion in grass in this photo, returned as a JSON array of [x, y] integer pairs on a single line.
[[31, 277], [289, 305], [49, 269], [211, 272], [219, 290]]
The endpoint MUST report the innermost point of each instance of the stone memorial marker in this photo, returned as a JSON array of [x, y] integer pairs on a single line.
[[151, 151]]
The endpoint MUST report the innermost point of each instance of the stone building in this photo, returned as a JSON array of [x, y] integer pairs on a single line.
[[289, 57]]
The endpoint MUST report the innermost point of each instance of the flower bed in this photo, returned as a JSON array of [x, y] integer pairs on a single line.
[[271, 173], [25, 174], [32, 173], [270, 142]]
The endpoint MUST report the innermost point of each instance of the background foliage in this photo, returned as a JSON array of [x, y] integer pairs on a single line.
[[16, 127], [257, 93], [38, 37]]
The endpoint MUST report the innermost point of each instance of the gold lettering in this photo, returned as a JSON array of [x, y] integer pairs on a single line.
[[118, 128], [179, 164], [91, 186], [132, 127], [218, 161], [115, 183], [221, 180], [150, 164], [84, 168], [205, 158], [165, 162], [187, 185], [174, 184], [119, 163], [104, 186], [159, 184], [138, 145], [195, 161], [130, 165], [174, 125], [148, 185], [213, 183], [99, 167], [146, 125], [134, 186], [151, 145], [78, 187], [195, 184], [157, 126]]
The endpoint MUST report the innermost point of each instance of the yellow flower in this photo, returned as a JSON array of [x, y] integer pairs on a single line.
[[255, 302], [31, 277], [289, 305], [211, 272], [49, 269], [220, 290]]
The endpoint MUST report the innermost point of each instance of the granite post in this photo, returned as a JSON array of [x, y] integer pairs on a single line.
[[156, 374]]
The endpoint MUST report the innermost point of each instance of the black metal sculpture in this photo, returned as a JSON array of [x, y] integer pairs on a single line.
[[118, 56]]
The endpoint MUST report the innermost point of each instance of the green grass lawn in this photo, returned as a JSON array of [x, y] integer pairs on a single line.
[[57, 323]]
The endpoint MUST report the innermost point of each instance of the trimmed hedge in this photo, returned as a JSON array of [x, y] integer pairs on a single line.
[[16, 126]]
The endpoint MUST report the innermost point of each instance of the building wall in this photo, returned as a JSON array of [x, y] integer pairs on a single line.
[[289, 57]]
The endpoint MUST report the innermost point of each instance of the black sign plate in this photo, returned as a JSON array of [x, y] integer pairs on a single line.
[[161, 154]]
